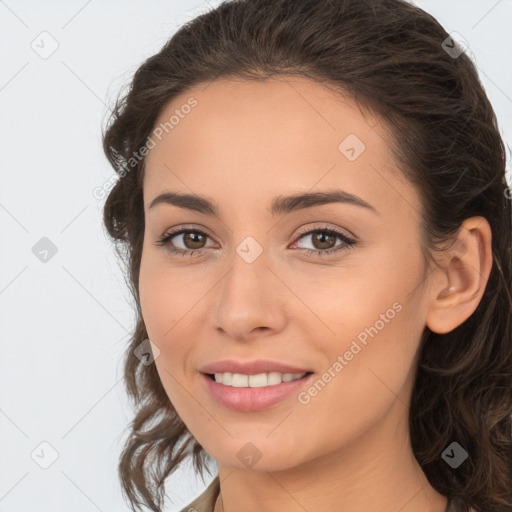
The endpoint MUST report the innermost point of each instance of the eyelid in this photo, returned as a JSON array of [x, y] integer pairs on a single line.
[[318, 225], [323, 226]]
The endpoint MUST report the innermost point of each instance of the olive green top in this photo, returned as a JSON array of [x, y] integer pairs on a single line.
[[205, 502]]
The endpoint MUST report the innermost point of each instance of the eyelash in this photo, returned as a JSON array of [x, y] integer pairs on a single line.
[[348, 243]]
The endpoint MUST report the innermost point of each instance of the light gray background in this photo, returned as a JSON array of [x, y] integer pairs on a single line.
[[65, 322]]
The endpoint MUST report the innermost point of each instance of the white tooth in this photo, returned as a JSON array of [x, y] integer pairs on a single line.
[[274, 378], [258, 381], [240, 381]]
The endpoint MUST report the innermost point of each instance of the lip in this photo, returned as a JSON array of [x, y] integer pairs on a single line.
[[253, 399], [251, 367]]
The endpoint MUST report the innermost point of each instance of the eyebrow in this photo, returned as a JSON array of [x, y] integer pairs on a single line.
[[280, 204]]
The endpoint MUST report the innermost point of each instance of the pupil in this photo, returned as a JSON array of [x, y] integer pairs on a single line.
[[189, 235], [322, 235]]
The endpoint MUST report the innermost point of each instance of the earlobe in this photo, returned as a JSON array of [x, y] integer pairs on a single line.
[[460, 284]]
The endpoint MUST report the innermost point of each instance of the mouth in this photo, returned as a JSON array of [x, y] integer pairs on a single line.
[[251, 393]]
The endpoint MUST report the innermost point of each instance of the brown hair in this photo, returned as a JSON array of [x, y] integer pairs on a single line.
[[393, 58]]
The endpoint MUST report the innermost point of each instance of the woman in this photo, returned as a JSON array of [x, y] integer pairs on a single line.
[[314, 213]]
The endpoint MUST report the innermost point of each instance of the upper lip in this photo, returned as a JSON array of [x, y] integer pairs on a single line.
[[250, 367]]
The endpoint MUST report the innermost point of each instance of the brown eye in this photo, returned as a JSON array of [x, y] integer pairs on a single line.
[[323, 240], [192, 239]]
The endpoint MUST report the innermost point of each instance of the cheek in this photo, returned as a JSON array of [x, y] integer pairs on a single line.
[[153, 303], [169, 307], [369, 369], [159, 300], [375, 323], [162, 308]]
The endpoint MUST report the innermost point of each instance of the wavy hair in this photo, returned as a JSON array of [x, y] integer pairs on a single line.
[[393, 59]]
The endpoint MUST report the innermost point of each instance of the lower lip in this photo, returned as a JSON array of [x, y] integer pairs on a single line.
[[253, 399]]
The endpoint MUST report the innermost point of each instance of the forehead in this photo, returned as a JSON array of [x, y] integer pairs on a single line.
[[251, 137]]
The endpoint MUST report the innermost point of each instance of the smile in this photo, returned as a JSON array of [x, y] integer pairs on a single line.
[[239, 394]]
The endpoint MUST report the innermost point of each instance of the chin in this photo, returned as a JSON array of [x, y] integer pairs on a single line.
[[258, 452]]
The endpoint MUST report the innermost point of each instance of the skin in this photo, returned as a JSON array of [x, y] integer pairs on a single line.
[[243, 144]]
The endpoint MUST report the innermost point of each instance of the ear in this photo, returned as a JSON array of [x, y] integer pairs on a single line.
[[459, 286]]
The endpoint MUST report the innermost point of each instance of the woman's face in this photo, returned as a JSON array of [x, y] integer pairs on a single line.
[[270, 279]]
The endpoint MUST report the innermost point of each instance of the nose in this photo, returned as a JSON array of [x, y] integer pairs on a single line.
[[250, 299]]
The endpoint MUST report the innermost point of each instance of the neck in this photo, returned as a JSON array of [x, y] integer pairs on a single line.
[[377, 471]]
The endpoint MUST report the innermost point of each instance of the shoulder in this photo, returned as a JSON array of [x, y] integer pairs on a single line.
[[205, 502]]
